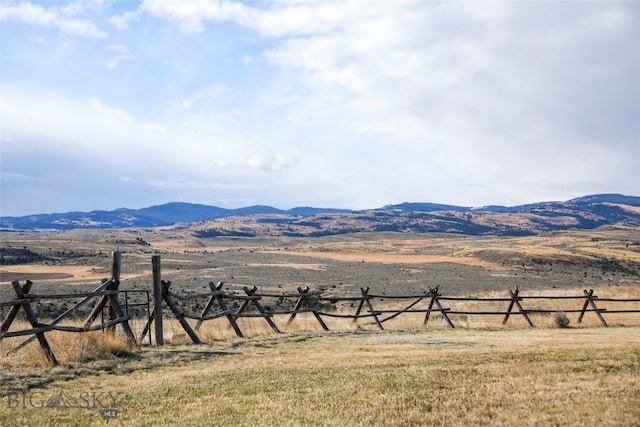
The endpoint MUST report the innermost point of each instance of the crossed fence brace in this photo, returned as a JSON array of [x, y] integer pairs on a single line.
[[215, 296], [307, 300], [589, 301], [108, 293]]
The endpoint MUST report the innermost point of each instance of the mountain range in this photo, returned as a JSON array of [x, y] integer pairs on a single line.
[[581, 213]]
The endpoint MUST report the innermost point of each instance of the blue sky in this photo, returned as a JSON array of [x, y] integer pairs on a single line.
[[351, 104]]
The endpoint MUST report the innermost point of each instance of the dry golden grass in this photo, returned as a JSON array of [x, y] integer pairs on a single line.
[[480, 373], [68, 347], [435, 377]]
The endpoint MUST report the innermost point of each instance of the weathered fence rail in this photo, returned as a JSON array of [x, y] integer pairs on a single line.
[[107, 293], [306, 304], [232, 305]]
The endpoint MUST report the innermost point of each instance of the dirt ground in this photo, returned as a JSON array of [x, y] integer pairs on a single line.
[[387, 263]]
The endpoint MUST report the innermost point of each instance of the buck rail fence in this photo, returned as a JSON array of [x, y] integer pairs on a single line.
[[219, 303], [105, 298]]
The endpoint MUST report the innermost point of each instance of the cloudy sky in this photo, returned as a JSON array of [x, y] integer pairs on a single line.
[[351, 104]]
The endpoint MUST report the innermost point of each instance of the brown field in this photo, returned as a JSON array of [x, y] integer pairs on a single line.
[[387, 262], [396, 378], [480, 373]]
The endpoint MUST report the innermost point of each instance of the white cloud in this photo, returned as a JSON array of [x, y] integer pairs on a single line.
[[154, 128], [27, 12], [379, 101], [213, 92], [119, 53], [270, 162], [173, 182], [305, 19], [118, 49], [80, 28], [284, 19], [112, 117], [60, 18], [191, 14], [247, 59], [90, 129], [8, 177], [123, 21], [48, 129]]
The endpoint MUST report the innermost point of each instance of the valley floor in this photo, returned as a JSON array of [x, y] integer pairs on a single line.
[[477, 374]]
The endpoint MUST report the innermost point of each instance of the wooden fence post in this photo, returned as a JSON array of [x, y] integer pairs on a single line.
[[428, 313], [434, 293], [515, 300], [225, 308], [367, 300], [115, 310], [589, 300], [218, 296], [166, 284], [13, 312], [364, 294], [209, 304], [253, 299], [299, 303], [20, 292], [97, 309], [302, 300], [157, 299], [116, 262]]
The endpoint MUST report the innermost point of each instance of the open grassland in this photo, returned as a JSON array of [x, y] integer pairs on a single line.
[[538, 376], [481, 373]]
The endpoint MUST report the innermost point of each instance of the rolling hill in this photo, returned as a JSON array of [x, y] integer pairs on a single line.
[[581, 213]]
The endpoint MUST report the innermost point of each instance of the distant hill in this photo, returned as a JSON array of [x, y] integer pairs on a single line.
[[581, 213], [153, 216], [423, 207]]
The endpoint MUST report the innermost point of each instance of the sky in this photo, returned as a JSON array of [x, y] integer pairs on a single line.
[[345, 104]]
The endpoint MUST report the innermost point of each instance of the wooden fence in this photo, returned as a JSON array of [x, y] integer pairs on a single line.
[[219, 302], [107, 297], [232, 306]]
